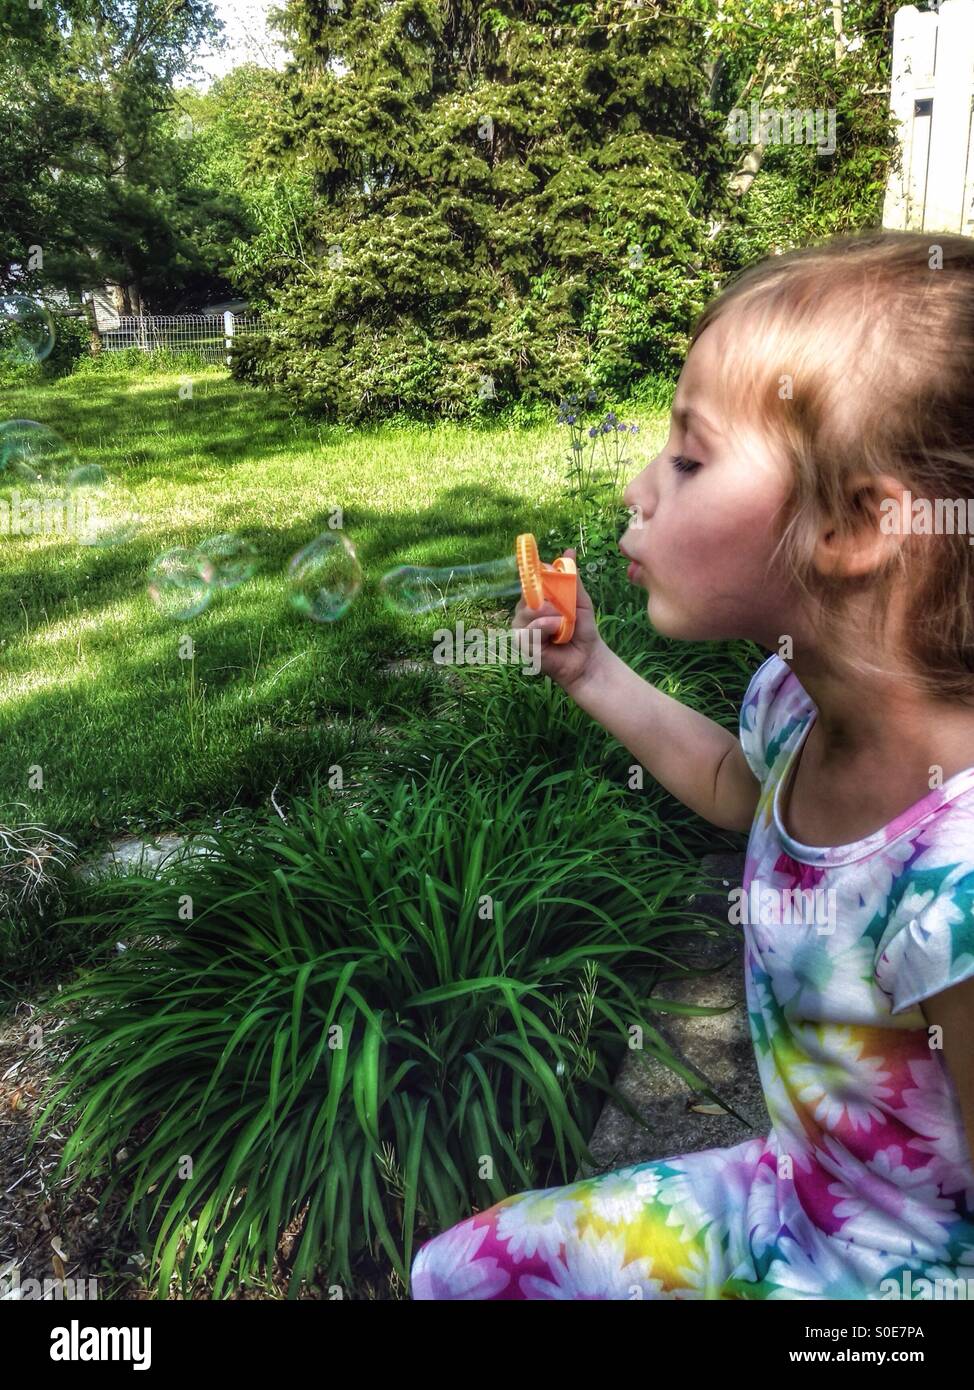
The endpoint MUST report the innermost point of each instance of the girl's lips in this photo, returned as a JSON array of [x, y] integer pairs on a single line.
[[632, 571]]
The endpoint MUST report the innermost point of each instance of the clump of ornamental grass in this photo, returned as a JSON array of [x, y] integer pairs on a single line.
[[366, 1021]]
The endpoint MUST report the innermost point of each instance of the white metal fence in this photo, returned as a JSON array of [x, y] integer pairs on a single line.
[[208, 334], [932, 99]]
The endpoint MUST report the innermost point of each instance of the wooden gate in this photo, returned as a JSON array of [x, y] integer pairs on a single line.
[[932, 97]]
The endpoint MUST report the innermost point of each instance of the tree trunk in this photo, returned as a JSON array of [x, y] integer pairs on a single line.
[[94, 335], [750, 166], [837, 25]]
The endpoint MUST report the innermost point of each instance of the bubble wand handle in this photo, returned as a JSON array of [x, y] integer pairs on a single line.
[[555, 582]]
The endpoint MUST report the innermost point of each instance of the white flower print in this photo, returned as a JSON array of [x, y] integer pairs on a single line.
[[842, 1086], [594, 1268], [711, 1190], [448, 1267], [887, 1205], [540, 1222], [621, 1197], [815, 1271], [763, 1218], [922, 1110]]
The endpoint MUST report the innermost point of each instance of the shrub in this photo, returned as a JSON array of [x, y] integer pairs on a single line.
[[368, 1000], [72, 342]]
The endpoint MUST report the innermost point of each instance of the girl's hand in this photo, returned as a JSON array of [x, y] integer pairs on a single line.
[[567, 662]]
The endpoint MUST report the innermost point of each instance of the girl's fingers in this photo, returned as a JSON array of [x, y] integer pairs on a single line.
[[550, 625], [523, 617]]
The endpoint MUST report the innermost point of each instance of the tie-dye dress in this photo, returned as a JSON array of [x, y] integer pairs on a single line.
[[864, 1188]]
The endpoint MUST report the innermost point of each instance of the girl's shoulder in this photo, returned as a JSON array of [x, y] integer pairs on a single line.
[[775, 709]]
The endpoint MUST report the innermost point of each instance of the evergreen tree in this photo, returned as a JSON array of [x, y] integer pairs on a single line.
[[509, 197]]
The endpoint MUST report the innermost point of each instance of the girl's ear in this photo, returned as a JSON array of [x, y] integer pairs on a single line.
[[878, 511]]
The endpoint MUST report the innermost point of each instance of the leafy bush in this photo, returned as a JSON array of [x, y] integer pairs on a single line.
[[544, 216], [72, 342], [368, 1001]]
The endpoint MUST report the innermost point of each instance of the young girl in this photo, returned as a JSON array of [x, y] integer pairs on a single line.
[[824, 390]]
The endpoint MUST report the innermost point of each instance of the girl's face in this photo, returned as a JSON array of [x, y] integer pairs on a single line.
[[707, 520]]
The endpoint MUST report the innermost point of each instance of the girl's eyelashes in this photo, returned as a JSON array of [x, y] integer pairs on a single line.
[[684, 465]]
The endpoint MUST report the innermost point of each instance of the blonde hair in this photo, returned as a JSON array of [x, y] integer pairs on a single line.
[[856, 356]]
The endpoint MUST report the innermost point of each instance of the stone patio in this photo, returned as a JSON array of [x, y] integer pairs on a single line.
[[718, 1048]]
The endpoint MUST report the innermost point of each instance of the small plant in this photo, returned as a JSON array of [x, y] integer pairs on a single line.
[[195, 704], [30, 858], [595, 484]]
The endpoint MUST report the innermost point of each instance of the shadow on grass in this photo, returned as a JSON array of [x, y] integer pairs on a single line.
[[124, 726]]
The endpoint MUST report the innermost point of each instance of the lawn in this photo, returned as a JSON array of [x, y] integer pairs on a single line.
[[93, 688]]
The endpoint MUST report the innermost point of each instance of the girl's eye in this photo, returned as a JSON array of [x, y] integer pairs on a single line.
[[684, 465]]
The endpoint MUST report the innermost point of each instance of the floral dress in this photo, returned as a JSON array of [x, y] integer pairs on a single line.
[[864, 1187]]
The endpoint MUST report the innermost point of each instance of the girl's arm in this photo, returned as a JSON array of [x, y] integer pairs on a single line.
[[953, 1010], [696, 759]]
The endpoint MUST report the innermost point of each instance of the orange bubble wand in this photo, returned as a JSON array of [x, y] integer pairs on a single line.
[[555, 582]]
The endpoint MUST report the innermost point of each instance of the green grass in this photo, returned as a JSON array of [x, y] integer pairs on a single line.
[[92, 687]]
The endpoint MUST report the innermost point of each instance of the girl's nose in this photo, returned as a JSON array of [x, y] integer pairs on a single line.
[[639, 492]]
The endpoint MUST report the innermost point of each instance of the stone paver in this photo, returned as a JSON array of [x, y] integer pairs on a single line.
[[719, 1048]]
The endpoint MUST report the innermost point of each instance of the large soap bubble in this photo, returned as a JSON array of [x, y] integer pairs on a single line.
[[26, 327], [182, 583], [35, 464], [28, 446], [415, 589], [325, 578]]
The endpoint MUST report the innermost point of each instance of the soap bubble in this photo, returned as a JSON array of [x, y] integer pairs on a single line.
[[34, 464], [325, 578], [414, 589], [234, 559], [26, 326], [181, 583], [105, 511], [29, 447]]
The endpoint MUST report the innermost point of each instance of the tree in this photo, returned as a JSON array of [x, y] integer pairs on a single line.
[[507, 197], [224, 132], [803, 56], [95, 175]]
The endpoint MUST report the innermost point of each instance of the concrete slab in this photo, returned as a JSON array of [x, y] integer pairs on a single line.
[[719, 1048]]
